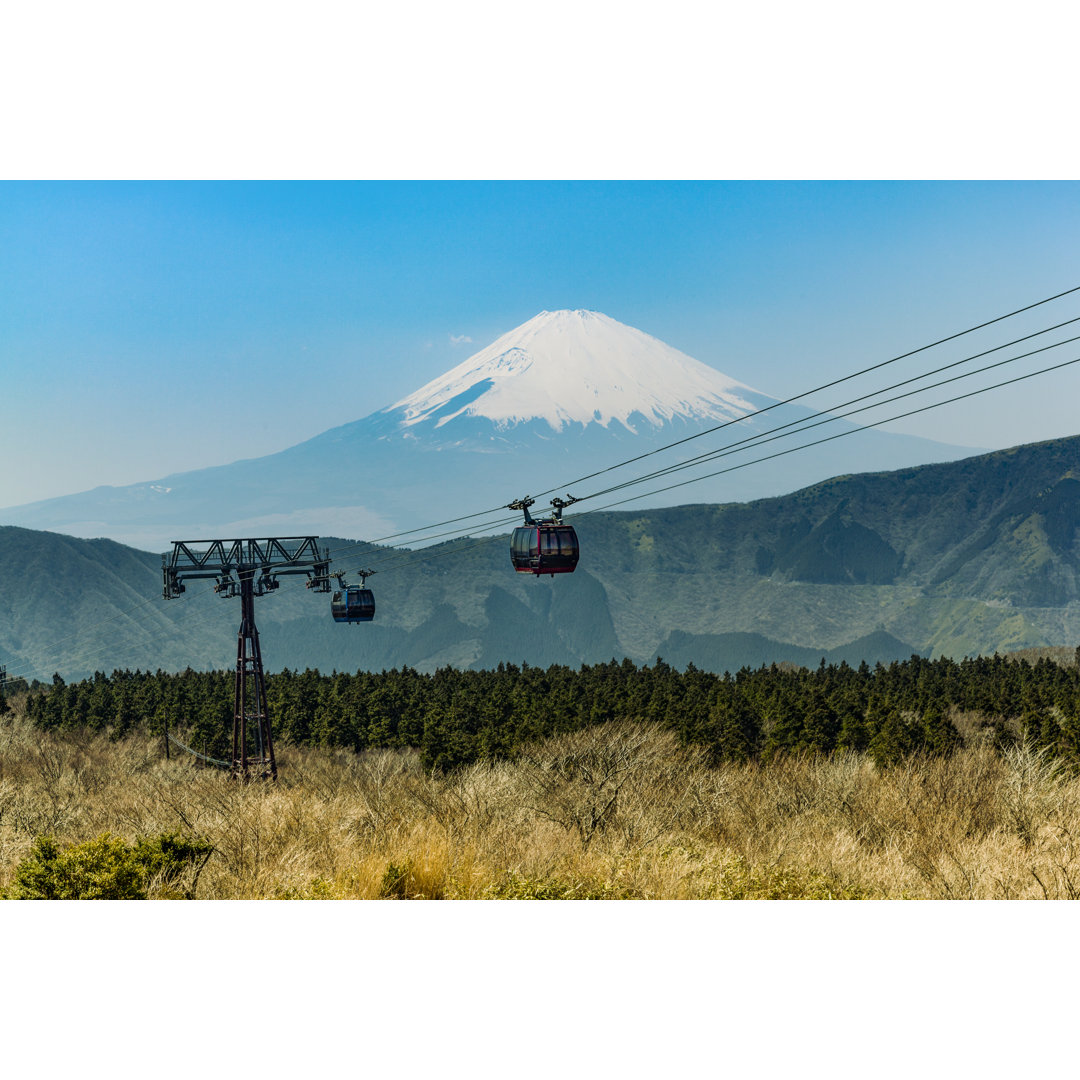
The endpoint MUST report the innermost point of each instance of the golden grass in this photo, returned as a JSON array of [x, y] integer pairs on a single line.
[[618, 811]]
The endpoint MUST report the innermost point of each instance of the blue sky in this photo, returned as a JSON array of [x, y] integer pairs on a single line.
[[154, 327]]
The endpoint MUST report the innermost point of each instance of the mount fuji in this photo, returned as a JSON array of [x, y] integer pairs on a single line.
[[564, 395], [575, 367]]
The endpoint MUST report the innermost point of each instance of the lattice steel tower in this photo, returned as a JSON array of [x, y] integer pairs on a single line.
[[247, 568]]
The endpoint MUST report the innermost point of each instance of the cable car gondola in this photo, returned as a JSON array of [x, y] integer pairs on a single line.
[[354, 603], [544, 546]]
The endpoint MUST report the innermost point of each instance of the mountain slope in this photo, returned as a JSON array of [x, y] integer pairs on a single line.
[[966, 557], [565, 394]]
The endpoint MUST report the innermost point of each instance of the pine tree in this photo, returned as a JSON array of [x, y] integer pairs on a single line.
[[821, 727], [940, 735], [854, 732], [736, 730], [893, 738]]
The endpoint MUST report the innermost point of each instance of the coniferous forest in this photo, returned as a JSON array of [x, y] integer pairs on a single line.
[[455, 718]]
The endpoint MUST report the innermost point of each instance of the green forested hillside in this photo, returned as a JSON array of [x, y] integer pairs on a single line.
[[956, 559], [953, 559]]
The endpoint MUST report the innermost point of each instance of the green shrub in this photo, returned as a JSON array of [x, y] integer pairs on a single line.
[[166, 858], [108, 868]]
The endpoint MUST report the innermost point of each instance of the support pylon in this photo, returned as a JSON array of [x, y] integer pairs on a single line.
[[257, 564], [252, 743]]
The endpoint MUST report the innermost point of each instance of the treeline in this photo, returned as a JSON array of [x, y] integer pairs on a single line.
[[456, 717]]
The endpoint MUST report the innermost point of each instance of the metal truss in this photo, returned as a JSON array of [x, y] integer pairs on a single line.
[[263, 560]]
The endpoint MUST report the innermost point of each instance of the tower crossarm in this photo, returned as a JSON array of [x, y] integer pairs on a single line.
[[229, 561]]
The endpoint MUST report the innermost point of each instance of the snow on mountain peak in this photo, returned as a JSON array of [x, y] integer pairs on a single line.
[[576, 367]]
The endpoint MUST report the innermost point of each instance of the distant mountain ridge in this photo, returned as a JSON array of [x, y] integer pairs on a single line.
[[561, 396], [966, 557]]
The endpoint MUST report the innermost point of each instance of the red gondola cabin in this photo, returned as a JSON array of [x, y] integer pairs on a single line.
[[545, 546]]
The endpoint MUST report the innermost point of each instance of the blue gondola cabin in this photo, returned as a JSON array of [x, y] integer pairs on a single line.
[[354, 604]]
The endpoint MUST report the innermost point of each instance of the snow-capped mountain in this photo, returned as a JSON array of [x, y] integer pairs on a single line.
[[564, 395], [576, 367]]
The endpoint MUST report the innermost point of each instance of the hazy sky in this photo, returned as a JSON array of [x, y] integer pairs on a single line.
[[150, 328]]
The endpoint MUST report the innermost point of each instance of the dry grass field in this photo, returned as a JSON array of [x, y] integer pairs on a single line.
[[616, 811]]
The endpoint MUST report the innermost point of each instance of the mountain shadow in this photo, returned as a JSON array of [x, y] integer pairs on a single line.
[[514, 633], [837, 551], [581, 616], [1027, 551]]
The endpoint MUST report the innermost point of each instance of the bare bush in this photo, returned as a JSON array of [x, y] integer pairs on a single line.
[[625, 776], [1032, 790]]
